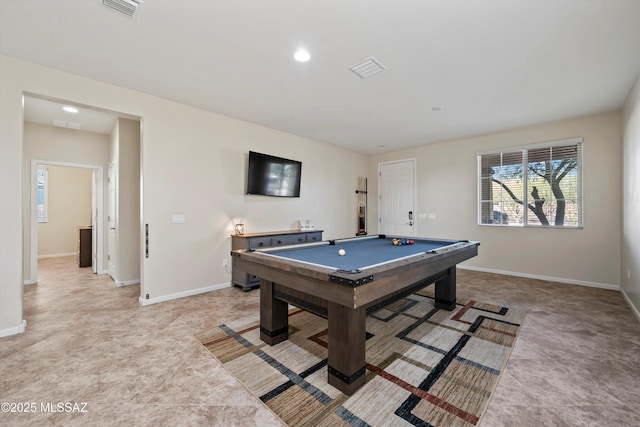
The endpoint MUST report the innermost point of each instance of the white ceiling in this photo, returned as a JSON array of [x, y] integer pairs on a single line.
[[490, 64], [47, 112]]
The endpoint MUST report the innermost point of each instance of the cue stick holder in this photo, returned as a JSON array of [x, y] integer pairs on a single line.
[[361, 193]]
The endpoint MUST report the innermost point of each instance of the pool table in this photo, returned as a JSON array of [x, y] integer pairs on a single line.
[[345, 288]]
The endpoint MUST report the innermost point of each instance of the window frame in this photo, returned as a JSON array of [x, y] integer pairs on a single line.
[[524, 150], [44, 218]]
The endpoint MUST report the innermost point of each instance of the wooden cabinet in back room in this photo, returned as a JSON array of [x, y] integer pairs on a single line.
[[84, 246]]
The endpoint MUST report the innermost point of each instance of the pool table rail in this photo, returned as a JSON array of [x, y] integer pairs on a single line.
[[312, 281]]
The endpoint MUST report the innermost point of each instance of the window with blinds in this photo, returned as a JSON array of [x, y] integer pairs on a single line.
[[42, 187], [537, 185]]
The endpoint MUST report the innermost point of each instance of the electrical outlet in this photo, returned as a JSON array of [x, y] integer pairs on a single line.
[[225, 263]]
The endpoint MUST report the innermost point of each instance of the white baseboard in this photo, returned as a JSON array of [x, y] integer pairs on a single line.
[[634, 309], [119, 283], [15, 330], [547, 278], [149, 301], [29, 282], [57, 255], [126, 282]]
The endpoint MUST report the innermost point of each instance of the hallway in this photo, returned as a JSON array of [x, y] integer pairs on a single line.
[[90, 341]]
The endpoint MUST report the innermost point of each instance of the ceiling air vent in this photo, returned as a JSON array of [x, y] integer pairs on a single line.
[[367, 68], [68, 125], [128, 7]]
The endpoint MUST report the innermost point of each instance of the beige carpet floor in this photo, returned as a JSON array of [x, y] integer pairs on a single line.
[[576, 361]]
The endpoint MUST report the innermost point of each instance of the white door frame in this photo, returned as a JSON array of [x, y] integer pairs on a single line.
[[34, 215], [415, 191], [112, 223], [94, 221]]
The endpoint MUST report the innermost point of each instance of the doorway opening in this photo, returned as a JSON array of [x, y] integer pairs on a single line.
[[89, 140], [74, 202]]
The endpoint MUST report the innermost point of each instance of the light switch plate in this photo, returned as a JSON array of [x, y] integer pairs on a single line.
[[178, 219]]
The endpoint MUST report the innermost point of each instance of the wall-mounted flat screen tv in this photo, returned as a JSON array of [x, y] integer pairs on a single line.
[[273, 176]]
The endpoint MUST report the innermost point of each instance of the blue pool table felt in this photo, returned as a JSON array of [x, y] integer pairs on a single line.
[[360, 253]]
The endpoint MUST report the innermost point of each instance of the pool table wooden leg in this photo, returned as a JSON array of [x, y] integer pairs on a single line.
[[274, 316], [446, 291], [347, 335]]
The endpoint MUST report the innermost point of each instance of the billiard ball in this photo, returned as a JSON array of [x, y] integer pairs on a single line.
[[341, 252]]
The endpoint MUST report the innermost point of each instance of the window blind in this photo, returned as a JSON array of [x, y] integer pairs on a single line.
[[536, 185]]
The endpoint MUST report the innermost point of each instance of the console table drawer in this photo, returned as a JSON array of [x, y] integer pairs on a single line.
[[288, 240], [258, 242], [314, 237]]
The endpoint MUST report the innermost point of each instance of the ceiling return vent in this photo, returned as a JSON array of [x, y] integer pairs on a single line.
[[68, 125], [367, 68], [127, 7]]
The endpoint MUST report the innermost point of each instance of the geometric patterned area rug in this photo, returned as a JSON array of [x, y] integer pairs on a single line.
[[425, 366]]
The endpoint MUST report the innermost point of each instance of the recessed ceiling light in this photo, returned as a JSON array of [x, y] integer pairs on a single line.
[[70, 109], [302, 56]]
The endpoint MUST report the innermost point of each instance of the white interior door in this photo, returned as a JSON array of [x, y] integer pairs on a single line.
[[112, 222], [396, 188]]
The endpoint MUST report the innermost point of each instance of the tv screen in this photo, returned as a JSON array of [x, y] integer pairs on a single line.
[[273, 176]]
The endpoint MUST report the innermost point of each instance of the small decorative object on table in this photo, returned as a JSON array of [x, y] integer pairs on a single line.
[[306, 225], [239, 229]]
